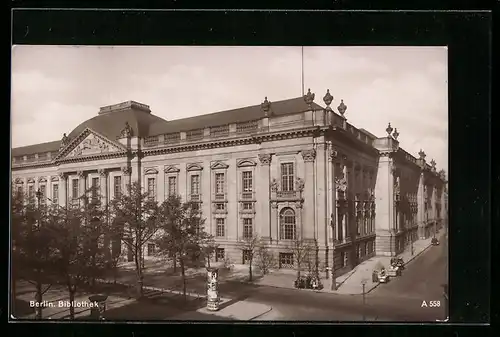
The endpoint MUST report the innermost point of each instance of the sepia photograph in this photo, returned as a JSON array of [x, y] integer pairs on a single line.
[[217, 183]]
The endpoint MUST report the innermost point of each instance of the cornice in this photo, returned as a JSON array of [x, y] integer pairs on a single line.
[[252, 139]]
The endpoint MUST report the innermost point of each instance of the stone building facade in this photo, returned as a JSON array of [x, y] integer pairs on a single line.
[[284, 170]]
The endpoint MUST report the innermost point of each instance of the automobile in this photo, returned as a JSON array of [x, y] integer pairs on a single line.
[[434, 242]]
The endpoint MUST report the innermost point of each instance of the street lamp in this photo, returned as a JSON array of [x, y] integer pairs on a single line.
[[363, 284]]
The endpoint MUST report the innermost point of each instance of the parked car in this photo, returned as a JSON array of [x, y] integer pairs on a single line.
[[434, 242]]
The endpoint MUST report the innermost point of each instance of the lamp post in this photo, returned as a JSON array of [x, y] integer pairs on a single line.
[[363, 284]]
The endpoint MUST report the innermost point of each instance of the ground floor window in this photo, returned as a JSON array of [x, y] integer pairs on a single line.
[[151, 249], [286, 260], [343, 259], [219, 254], [247, 256]]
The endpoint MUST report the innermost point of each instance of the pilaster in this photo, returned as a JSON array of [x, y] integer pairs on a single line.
[[103, 186], [263, 199], [321, 195], [126, 181], [63, 186], [81, 183], [309, 226]]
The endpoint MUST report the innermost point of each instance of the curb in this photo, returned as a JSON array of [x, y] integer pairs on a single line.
[[262, 314]]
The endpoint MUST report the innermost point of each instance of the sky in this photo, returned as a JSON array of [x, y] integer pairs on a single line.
[[55, 88]]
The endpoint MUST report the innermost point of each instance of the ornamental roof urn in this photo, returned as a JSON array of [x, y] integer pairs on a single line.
[[328, 100], [389, 130], [395, 134], [309, 97], [342, 107], [422, 154]]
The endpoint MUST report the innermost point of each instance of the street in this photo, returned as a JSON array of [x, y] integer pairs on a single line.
[[399, 300]]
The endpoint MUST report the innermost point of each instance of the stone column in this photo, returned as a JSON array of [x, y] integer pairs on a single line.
[[384, 207], [263, 199], [81, 183], [332, 192], [275, 222], [63, 182], [103, 186], [126, 181], [322, 216], [309, 226]]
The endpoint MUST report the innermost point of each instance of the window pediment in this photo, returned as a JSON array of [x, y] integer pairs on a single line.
[[194, 167], [54, 178], [151, 170], [42, 180], [31, 180], [19, 181], [171, 169], [246, 163], [219, 165]]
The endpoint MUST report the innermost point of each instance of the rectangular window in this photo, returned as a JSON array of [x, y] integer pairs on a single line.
[[219, 254], [20, 190], [55, 194], [220, 231], [247, 181], [43, 191], [74, 188], [151, 189], [247, 228], [343, 258], [219, 183], [247, 206], [247, 256], [117, 186], [31, 193], [172, 186], [95, 188], [195, 185], [220, 206], [151, 249], [286, 261], [287, 175]]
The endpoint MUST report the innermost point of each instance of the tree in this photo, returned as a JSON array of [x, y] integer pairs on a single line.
[[249, 245], [265, 259], [72, 245], [135, 218], [301, 250], [181, 233], [32, 250], [209, 247]]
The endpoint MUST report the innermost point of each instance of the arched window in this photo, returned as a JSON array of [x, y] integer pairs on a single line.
[[287, 224]]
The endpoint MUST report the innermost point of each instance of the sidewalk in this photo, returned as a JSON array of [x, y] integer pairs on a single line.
[[350, 282], [242, 311]]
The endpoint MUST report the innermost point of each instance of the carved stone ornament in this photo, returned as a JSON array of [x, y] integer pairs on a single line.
[[333, 154], [433, 164], [274, 185], [126, 132], [265, 159], [102, 172], [341, 184], [90, 145], [80, 174], [18, 181], [64, 141], [309, 97], [395, 134], [342, 108], [62, 175], [265, 106], [126, 170], [328, 99], [389, 130], [299, 184], [309, 155], [298, 204], [421, 154], [274, 204]]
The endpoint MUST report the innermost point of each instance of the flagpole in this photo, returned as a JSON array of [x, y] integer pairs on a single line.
[[302, 70]]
